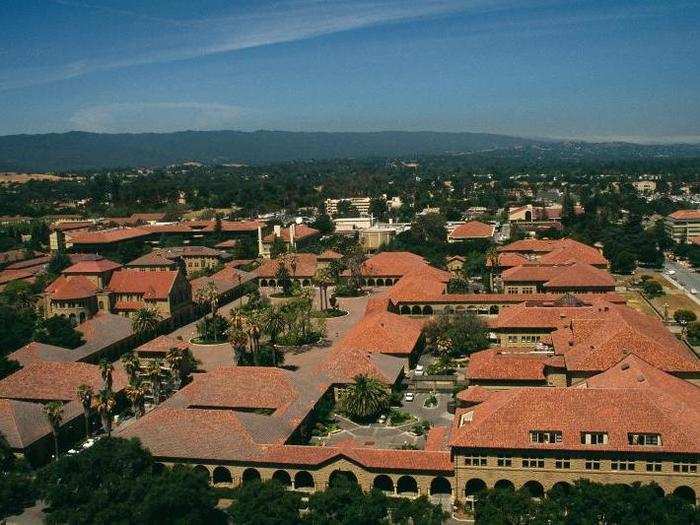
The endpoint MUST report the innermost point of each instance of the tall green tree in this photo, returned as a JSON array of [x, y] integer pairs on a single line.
[[365, 398], [53, 412]]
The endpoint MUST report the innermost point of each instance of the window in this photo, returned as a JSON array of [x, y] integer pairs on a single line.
[[545, 436], [466, 418], [644, 439], [685, 466], [653, 466], [622, 464], [533, 462], [594, 438], [562, 463], [476, 460], [512, 338], [592, 464], [504, 461]]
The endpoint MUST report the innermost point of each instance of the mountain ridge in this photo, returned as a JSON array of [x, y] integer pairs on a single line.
[[76, 150]]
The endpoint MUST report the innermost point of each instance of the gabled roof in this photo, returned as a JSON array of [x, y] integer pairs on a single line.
[[570, 275], [53, 381], [92, 267], [393, 264], [152, 259], [507, 364], [162, 344], [559, 251], [153, 285], [344, 363], [72, 287], [108, 236], [301, 231], [661, 406], [508, 260], [383, 332], [473, 230], [22, 422]]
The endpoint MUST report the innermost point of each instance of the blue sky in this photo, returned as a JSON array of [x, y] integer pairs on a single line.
[[602, 70]]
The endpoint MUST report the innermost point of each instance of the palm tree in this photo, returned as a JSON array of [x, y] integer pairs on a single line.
[[182, 363], [54, 415], [238, 338], [137, 397], [154, 375], [323, 279], [365, 398], [146, 321], [85, 394], [274, 323], [132, 365], [104, 404], [106, 369], [208, 295]]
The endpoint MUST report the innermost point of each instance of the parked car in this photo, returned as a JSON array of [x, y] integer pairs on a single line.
[[419, 371], [694, 291], [382, 419], [409, 396]]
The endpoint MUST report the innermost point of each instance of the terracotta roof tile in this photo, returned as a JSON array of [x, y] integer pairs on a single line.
[[153, 285], [383, 332], [92, 267], [686, 215], [473, 230], [507, 364], [71, 287]]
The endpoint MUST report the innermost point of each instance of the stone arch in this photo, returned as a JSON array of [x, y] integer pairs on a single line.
[[383, 483], [407, 484], [448, 310], [405, 309], [305, 282], [534, 489], [528, 216], [262, 283], [460, 308], [504, 484], [201, 469], [686, 493], [370, 282], [158, 468], [427, 310], [440, 485], [416, 310], [221, 475], [71, 318], [282, 477], [303, 480], [337, 475], [560, 487], [474, 486], [249, 475], [82, 317], [493, 309], [380, 282]]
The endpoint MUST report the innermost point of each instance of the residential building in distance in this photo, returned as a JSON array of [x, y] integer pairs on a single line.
[[472, 230], [574, 277], [361, 203], [190, 258], [683, 225]]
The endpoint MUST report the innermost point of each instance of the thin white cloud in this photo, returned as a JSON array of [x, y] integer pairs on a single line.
[[156, 117], [287, 22]]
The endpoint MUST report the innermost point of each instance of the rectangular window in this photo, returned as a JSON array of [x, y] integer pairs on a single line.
[[562, 463], [545, 436], [653, 466], [592, 464], [533, 462], [476, 460], [685, 466], [594, 438], [622, 464], [512, 338], [504, 461], [644, 439]]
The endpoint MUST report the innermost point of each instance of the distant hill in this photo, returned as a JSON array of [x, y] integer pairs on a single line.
[[79, 150]]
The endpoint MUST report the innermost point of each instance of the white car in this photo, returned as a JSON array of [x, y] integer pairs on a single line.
[[671, 272], [420, 369], [409, 396], [694, 291]]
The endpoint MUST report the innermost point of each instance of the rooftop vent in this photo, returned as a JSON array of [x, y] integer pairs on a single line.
[[625, 366], [640, 379]]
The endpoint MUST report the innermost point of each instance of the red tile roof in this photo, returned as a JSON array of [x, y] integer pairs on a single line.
[[686, 215], [566, 276], [301, 231], [557, 251], [152, 259], [393, 264], [306, 264], [153, 285], [343, 363], [108, 236], [161, 345], [473, 395], [662, 405], [507, 364], [473, 230], [66, 288], [22, 423], [54, 381], [383, 332], [509, 260], [92, 267], [331, 255]]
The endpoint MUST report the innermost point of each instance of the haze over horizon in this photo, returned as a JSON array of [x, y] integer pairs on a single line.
[[589, 70]]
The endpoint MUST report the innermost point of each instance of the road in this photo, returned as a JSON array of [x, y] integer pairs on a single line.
[[687, 278]]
